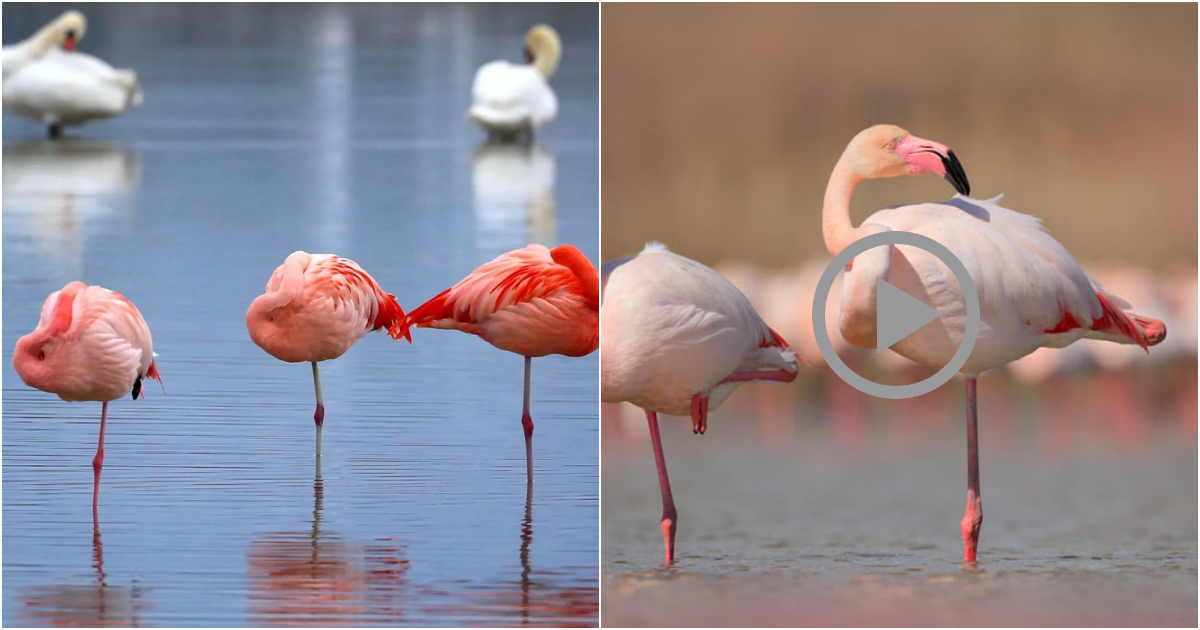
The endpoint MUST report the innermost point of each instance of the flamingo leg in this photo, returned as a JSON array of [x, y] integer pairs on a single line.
[[319, 416], [699, 414], [98, 461], [700, 401], [527, 423], [973, 518], [669, 517]]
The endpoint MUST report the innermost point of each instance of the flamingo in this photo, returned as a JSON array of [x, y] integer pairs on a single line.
[[532, 301], [677, 338], [1032, 293], [91, 344], [66, 30], [514, 98], [315, 307]]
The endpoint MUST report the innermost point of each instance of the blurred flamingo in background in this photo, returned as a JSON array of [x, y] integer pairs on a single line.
[[532, 301], [1032, 293], [678, 338], [91, 344], [316, 306]]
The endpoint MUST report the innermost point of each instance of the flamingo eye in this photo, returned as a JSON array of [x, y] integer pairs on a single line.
[[41, 355]]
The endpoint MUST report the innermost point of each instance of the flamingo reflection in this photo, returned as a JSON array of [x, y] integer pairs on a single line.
[[98, 605], [316, 578], [534, 600]]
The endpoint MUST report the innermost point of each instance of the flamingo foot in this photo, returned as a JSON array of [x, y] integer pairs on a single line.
[[972, 523], [668, 530], [699, 414]]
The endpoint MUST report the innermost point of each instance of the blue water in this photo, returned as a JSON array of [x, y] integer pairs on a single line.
[[266, 130]]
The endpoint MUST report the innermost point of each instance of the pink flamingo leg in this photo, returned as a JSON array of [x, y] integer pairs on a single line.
[[319, 416], [700, 401], [527, 423], [669, 517], [98, 461], [699, 414], [973, 518]]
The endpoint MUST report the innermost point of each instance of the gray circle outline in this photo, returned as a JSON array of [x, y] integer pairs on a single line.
[[896, 392]]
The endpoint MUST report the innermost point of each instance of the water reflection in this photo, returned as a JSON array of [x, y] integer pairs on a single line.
[[53, 189], [514, 194], [97, 605], [542, 598], [318, 578]]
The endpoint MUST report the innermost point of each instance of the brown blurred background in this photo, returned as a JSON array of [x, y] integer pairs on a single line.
[[721, 123]]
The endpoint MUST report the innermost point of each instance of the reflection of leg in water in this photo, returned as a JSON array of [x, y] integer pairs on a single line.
[[526, 539], [318, 507], [97, 547]]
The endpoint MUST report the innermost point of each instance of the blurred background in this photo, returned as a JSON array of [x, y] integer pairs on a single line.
[[816, 504], [268, 129]]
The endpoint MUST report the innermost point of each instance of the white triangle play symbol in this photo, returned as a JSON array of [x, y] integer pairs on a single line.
[[897, 315]]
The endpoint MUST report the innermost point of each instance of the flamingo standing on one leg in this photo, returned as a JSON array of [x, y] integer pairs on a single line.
[[1032, 293], [91, 344], [678, 338], [531, 301], [315, 307]]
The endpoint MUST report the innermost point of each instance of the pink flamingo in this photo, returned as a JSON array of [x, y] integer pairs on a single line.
[[91, 344], [315, 307], [677, 339], [531, 301], [1032, 293]]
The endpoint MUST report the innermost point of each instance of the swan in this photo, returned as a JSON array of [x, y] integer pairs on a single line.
[[66, 30], [511, 98], [66, 88]]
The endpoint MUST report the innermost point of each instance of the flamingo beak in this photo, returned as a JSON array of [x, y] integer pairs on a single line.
[[955, 173], [69, 43]]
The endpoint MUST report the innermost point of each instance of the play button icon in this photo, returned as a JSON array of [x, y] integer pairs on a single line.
[[898, 314]]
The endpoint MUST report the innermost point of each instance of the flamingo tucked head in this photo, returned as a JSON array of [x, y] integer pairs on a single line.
[[41, 359], [889, 151]]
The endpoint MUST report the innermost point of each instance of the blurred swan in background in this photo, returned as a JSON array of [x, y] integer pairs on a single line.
[[511, 99], [52, 189], [66, 30], [514, 194], [61, 88]]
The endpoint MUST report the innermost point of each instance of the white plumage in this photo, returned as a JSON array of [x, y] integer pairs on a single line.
[[70, 88], [673, 328]]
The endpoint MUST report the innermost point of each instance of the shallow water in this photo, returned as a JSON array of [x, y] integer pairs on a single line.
[[804, 520], [267, 130]]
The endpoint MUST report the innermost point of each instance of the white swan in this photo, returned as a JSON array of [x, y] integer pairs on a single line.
[[66, 88], [66, 30], [513, 98]]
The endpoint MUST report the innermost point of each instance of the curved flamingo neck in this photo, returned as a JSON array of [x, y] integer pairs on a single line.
[[835, 217]]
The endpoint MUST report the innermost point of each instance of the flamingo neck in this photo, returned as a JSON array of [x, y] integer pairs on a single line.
[[835, 217]]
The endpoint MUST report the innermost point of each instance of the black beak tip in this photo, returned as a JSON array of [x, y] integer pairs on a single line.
[[955, 174]]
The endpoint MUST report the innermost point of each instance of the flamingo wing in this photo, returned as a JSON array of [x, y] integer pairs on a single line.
[[349, 291], [518, 277]]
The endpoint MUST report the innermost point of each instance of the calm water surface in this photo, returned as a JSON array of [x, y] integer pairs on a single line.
[[266, 130], [811, 519]]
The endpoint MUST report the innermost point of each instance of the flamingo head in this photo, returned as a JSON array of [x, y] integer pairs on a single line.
[[889, 151]]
